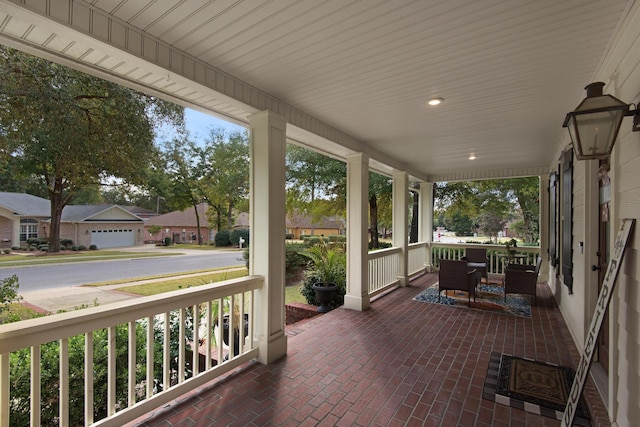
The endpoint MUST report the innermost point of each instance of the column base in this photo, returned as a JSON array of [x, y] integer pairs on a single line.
[[273, 350], [352, 302]]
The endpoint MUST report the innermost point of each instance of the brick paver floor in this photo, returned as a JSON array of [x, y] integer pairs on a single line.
[[402, 362]]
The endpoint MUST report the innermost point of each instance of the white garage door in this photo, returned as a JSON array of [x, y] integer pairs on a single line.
[[112, 238]]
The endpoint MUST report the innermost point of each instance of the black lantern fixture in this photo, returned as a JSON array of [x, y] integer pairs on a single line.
[[594, 124]]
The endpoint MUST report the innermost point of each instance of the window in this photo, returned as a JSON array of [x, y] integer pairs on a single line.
[[28, 229]]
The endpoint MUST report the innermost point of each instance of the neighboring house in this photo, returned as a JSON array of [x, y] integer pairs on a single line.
[[299, 225], [181, 226], [23, 216]]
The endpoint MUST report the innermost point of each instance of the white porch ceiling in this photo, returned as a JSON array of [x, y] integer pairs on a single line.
[[355, 72]]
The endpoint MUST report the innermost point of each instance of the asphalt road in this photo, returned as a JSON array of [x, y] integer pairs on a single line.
[[34, 278]]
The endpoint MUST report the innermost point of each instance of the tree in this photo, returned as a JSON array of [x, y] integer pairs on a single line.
[[71, 130], [183, 166], [226, 173], [316, 184], [380, 188], [490, 204]]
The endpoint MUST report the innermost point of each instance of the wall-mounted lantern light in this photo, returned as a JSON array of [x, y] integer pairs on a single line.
[[594, 124]]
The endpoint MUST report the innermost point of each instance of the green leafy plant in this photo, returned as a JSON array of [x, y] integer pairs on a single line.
[[9, 292], [328, 266], [510, 246]]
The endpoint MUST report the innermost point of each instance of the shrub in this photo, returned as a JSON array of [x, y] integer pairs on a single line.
[[288, 236], [294, 259], [381, 245], [74, 248], [9, 291], [93, 247], [235, 235], [6, 251], [222, 238], [33, 248], [336, 238], [82, 248], [15, 248], [167, 241], [44, 248], [37, 241], [66, 242], [314, 240]]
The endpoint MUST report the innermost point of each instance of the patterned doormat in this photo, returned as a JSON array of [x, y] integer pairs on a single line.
[[489, 297], [537, 387]]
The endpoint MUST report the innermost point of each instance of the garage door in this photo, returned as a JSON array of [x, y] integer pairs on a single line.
[[112, 238]]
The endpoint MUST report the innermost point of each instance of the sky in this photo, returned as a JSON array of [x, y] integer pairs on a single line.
[[199, 124]]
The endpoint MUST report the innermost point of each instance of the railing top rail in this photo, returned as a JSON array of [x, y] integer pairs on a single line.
[[383, 252], [495, 247], [27, 333], [417, 244]]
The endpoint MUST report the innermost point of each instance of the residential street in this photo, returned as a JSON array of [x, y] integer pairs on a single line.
[[33, 278], [57, 286]]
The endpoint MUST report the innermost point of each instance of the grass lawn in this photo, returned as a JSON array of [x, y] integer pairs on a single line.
[[162, 286], [17, 311], [292, 293]]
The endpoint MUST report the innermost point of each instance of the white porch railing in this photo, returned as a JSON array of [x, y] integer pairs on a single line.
[[384, 269], [140, 354], [384, 264], [417, 258], [496, 254]]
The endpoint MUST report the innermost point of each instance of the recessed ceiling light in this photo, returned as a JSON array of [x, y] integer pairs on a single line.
[[435, 101], [472, 156]]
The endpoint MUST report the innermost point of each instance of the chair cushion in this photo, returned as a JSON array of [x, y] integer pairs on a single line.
[[476, 264]]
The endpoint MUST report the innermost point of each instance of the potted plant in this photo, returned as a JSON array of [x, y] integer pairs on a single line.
[[510, 246], [326, 273], [235, 325]]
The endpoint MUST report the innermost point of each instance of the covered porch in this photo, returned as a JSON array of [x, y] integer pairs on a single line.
[[402, 361]]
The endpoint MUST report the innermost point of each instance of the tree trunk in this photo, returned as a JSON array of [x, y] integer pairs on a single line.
[[195, 207], [58, 202], [373, 218], [413, 234], [230, 217]]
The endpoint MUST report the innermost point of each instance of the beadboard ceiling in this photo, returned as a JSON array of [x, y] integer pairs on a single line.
[[508, 70]]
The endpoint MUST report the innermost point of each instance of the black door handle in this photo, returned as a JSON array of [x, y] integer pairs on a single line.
[[595, 268]]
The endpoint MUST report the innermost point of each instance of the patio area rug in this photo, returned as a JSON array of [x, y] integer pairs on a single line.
[[536, 387], [489, 297]]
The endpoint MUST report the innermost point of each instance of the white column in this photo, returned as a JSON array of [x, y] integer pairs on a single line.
[[544, 226], [401, 222], [357, 297], [267, 218], [425, 224]]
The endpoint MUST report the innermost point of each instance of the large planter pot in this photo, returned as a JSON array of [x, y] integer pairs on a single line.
[[236, 336], [324, 295]]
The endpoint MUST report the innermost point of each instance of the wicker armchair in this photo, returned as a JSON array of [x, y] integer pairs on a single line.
[[477, 258], [521, 279], [455, 275]]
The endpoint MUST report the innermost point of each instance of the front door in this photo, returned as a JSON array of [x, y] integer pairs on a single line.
[[603, 260]]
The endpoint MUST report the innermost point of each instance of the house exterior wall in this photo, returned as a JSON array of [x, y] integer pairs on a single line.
[[181, 237], [6, 230], [620, 71], [299, 232]]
